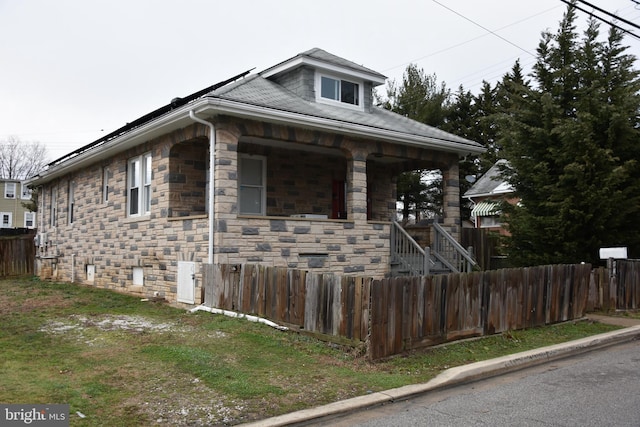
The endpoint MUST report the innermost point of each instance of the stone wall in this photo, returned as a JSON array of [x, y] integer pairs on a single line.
[[103, 236], [336, 246], [301, 167]]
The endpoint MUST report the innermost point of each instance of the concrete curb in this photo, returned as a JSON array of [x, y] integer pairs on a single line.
[[455, 376]]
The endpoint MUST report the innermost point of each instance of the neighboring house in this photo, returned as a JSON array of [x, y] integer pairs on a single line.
[[302, 175], [487, 194], [12, 213]]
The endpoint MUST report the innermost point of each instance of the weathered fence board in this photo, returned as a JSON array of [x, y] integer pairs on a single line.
[[628, 292], [458, 306], [398, 314], [17, 255]]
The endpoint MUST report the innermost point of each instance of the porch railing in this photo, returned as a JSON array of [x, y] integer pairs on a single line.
[[451, 253], [445, 256], [406, 254]]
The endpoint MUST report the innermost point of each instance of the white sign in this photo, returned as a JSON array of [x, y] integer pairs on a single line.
[[617, 253]]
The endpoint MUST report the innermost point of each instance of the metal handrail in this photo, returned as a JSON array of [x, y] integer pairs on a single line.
[[406, 251], [447, 248]]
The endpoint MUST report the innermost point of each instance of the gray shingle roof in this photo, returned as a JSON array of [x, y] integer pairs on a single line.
[[256, 90], [324, 56], [259, 91], [490, 183]]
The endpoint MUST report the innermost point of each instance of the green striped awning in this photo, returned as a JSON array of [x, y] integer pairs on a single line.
[[486, 208]]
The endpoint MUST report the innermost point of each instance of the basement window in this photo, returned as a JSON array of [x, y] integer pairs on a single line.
[[138, 276]]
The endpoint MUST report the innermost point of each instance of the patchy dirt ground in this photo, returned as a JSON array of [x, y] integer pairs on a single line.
[[176, 400], [107, 323]]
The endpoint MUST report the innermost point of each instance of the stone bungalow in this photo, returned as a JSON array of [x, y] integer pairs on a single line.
[[304, 175]]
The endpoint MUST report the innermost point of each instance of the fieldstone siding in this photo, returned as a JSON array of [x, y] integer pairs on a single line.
[[302, 166], [187, 177], [103, 236]]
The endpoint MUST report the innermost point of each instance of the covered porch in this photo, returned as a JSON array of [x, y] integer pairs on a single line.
[[297, 198]]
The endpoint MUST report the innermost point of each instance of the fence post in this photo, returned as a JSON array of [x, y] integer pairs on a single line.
[[471, 254], [207, 283], [613, 284]]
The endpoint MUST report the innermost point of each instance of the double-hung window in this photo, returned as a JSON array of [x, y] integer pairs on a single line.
[[251, 185], [105, 185], [54, 207], [5, 219], [26, 192], [72, 201], [139, 185], [9, 190], [29, 219], [334, 89]]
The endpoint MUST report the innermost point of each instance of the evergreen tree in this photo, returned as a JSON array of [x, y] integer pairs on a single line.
[[420, 98], [462, 120], [573, 144]]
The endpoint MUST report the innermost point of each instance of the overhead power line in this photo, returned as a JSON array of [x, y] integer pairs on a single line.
[[484, 28], [610, 14], [624, 30]]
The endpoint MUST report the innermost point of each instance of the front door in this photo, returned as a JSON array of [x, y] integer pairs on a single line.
[[339, 200]]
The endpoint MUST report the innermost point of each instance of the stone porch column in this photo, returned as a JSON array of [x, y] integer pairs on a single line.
[[357, 185], [451, 199], [226, 189]]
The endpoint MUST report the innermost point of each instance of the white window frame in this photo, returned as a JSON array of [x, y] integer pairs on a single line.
[[9, 190], [54, 207], [262, 187], [490, 221], [25, 192], [338, 102], [9, 215], [139, 180], [72, 202], [32, 215]]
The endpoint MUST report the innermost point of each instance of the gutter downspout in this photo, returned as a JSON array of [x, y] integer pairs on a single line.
[[40, 225], [475, 219], [212, 159]]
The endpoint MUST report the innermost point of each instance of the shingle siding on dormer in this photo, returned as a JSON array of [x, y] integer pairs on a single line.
[[300, 81], [368, 96]]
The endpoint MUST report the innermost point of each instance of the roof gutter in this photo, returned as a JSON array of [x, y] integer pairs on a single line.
[[238, 109], [212, 162]]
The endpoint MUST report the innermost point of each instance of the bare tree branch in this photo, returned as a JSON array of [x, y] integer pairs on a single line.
[[21, 159]]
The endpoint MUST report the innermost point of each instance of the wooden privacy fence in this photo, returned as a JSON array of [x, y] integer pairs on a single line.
[[17, 255], [334, 306], [617, 288], [399, 314], [414, 312]]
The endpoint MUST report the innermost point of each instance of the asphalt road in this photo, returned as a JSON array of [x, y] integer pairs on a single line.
[[598, 388]]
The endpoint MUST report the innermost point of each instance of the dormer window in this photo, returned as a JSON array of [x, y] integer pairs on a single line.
[[340, 90], [334, 89]]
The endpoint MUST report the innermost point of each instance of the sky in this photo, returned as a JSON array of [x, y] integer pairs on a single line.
[[72, 71]]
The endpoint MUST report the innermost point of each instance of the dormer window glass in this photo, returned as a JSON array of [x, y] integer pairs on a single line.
[[336, 89]]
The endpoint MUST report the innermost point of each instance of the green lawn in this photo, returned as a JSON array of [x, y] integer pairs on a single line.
[[121, 361]]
